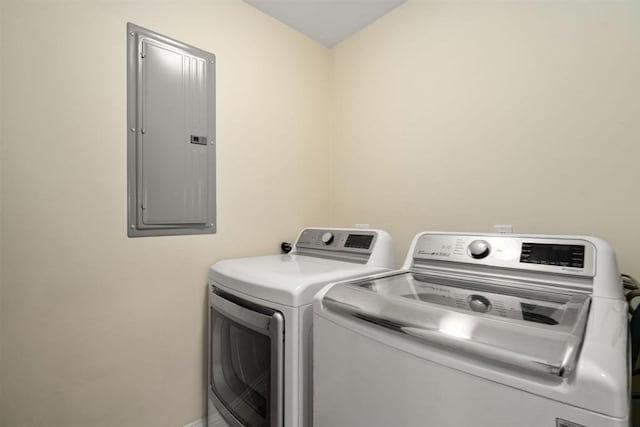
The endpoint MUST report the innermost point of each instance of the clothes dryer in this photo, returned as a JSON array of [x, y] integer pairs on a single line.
[[260, 317]]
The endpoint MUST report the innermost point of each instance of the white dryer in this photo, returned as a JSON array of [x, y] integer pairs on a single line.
[[260, 317], [477, 331]]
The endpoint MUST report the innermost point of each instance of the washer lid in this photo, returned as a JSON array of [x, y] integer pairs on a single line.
[[290, 280], [531, 329]]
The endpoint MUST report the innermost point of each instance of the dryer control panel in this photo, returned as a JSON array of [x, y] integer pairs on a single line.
[[538, 253], [372, 247], [356, 241]]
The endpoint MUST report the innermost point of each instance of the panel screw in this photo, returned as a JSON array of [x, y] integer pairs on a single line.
[[210, 225], [132, 129], [132, 34], [133, 226], [211, 142]]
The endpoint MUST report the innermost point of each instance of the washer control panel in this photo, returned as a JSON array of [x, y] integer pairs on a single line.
[[539, 253], [360, 241]]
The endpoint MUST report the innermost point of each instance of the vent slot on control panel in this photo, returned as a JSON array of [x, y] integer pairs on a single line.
[[550, 254]]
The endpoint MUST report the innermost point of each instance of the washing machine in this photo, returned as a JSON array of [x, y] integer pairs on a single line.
[[260, 317], [477, 331]]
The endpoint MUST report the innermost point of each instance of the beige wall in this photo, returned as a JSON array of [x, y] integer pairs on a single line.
[[1, 185], [99, 329], [462, 115]]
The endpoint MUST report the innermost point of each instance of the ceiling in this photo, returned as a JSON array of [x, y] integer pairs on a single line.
[[327, 21]]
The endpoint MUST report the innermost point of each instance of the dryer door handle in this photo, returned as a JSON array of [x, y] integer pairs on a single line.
[[245, 316]]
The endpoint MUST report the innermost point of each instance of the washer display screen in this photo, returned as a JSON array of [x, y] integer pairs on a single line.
[[562, 255]]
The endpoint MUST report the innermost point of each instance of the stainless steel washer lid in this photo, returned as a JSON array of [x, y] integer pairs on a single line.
[[538, 331]]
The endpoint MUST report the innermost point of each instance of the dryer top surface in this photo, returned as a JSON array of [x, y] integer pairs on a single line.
[[291, 280]]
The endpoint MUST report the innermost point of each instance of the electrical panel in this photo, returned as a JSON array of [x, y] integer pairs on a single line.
[[171, 136]]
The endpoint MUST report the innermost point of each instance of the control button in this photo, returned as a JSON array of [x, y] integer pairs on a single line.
[[479, 249], [479, 304], [327, 238]]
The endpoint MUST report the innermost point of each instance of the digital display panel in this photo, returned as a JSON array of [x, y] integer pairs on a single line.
[[549, 254], [359, 241]]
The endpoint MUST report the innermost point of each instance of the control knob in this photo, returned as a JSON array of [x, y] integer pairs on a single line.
[[479, 304], [327, 238], [479, 249]]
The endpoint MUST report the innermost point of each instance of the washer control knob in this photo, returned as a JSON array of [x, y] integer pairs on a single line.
[[479, 249], [479, 304], [327, 238]]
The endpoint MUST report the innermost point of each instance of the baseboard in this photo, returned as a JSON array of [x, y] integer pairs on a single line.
[[202, 422]]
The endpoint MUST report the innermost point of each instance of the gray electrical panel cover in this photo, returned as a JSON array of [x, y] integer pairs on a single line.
[[171, 136]]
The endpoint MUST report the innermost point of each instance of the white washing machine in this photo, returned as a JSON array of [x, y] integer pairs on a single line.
[[260, 317], [477, 331]]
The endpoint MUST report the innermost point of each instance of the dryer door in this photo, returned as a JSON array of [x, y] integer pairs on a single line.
[[245, 361]]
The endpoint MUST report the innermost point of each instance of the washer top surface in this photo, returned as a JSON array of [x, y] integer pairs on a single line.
[[291, 280]]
